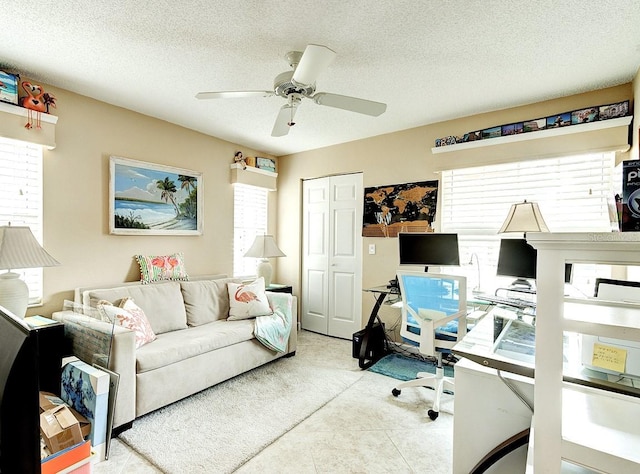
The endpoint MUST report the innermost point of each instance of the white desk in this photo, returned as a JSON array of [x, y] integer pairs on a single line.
[[486, 414]]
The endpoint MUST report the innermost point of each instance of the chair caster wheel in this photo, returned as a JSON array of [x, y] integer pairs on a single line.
[[395, 392], [433, 414]]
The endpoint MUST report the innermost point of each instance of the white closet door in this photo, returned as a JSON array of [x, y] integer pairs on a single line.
[[315, 255], [332, 255]]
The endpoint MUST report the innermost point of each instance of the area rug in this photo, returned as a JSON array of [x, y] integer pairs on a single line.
[[405, 368], [219, 429]]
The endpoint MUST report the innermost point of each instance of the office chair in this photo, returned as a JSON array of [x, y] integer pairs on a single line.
[[432, 305]]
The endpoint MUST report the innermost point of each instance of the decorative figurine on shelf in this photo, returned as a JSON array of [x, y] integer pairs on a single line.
[[35, 100], [239, 158]]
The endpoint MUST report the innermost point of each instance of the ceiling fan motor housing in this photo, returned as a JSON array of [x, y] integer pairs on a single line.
[[283, 86]]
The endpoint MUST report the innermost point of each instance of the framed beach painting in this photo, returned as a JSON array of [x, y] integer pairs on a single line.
[[151, 199]]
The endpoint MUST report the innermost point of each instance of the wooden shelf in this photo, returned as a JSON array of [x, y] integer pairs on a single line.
[[608, 319], [600, 429], [253, 169], [17, 110], [552, 132]]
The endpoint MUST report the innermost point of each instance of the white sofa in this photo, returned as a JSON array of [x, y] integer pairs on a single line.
[[196, 346]]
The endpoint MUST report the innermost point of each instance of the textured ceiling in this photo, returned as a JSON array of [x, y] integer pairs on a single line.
[[428, 60]]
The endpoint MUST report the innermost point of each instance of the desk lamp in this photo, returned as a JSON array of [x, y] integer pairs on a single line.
[[524, 217], [264, 247], [19, 249]]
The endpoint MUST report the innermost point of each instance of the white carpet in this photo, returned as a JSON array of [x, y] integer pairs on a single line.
[[219, 429]]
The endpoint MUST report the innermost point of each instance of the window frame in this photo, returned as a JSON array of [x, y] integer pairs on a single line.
[[21, 201], [250, 218]]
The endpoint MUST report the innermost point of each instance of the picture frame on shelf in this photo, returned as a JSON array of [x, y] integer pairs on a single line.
[[512, 129], [492, 132], [9, 87], [266, 164], [590, 114], [619, 109], [152, 199], [559, 120], [535, 125]]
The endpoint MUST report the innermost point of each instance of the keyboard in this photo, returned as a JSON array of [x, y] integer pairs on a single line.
[[515, 302]]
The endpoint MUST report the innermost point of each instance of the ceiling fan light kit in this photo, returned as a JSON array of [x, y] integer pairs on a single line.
[[300, 83]]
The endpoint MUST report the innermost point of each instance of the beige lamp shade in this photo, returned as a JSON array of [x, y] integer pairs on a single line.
[[524, 217], [265, 247], [19, 249]]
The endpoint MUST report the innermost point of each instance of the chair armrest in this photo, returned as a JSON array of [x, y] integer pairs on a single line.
[[107, 345]]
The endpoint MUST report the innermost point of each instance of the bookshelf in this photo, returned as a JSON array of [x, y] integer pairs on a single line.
[[583, 425]]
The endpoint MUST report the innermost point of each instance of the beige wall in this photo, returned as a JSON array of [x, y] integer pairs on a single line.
[[76, 180], [76, 190], [406, 156]]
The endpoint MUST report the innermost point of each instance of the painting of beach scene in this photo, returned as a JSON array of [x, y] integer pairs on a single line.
[[151, 199]]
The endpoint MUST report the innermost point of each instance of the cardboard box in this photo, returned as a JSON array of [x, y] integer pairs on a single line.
[[49, 400], [59, 428], [86, 389], [630, 196]]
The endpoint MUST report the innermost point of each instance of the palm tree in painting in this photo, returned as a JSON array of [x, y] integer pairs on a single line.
[[168, 189], [187, 181]]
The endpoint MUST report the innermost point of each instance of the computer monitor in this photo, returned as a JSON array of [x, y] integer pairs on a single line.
[[428, 249], [517, 259]]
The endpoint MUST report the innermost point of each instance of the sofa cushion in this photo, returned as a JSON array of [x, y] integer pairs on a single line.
[[206, 301], [175, 346], [162, 303], [161, 267], [130, 316], [248, 300]]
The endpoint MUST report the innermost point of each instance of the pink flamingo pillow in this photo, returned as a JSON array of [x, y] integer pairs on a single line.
[[248, 300]]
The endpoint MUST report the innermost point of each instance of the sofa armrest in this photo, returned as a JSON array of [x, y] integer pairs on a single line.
[[293, 337], [105, 344]]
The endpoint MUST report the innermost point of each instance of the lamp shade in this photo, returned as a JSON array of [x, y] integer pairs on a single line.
[[524, 217], [20, 249], [264, 247]]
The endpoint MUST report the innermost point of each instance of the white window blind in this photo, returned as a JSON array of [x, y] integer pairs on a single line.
[[249, 220], [21, 199], [574, 194]]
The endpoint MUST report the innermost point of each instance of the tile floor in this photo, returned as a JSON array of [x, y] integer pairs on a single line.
[[363, 430]]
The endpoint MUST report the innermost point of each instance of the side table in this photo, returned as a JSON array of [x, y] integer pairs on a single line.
[[275, 288]]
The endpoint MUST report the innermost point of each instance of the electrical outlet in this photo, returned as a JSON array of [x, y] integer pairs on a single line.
[[372, 249]]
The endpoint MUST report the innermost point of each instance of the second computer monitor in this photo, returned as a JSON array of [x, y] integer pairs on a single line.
[[517, 259]]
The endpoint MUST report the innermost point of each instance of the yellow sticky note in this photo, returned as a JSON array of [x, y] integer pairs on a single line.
[[609, 357]]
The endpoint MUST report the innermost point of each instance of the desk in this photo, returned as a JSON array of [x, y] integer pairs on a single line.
[[483, 399], [372, 340]]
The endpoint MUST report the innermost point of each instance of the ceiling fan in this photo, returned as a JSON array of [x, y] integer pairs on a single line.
[[300, 83]]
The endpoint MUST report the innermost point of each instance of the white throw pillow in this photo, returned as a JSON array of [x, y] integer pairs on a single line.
[[248, 300], [130, 316]]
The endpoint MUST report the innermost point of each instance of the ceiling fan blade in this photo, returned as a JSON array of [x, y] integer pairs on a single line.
[[362, 106], [314, 60], [284, 120], [233, 94]]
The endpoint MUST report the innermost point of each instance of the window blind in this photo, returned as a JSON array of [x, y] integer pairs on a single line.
[[21, 199], [573, 192], [249, 219]]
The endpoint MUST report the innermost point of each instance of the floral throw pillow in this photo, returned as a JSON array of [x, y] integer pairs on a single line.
[[129, 315], [162, 267], [248, 300]]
